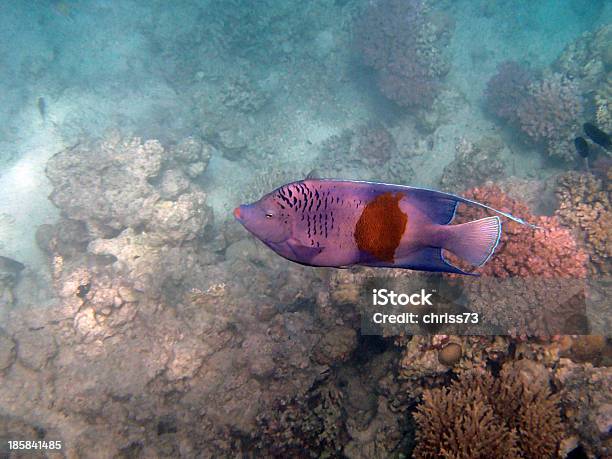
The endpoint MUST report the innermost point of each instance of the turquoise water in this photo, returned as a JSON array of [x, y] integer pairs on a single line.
[[237, 98]]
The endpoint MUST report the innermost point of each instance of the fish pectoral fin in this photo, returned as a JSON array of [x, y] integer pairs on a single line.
[[303, 252]]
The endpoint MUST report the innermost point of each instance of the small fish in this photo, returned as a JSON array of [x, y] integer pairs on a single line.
[[597, 135], [42, 107], [340, 223], [582, 147]]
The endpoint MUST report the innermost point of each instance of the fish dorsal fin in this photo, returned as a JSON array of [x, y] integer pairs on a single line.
[[313, 174]]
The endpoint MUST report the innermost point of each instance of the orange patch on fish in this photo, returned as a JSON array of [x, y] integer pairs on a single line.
[[380, 227]]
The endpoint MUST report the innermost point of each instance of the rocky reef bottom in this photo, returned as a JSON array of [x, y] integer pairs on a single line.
[[172, 335]]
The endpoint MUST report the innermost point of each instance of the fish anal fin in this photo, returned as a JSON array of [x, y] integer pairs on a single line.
[[426, 259]]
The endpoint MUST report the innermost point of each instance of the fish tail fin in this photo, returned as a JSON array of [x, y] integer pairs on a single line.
[[474, 241]]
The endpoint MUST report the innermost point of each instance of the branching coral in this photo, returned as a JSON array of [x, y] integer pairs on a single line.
[[308, 423], [397, 39], [480, 416], [549, 114], [585, 204], [519, 288]]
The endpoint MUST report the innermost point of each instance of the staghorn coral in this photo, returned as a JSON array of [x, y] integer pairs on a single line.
[[399, 41], [585, 205], [480, 416], [506, 90], [549, 114], [519, 285]]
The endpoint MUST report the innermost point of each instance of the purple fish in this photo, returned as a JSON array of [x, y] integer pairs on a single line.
[[341, 223]]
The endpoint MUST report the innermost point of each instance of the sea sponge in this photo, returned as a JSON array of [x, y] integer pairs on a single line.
[[480, 416], [450, 354], [533, 284]]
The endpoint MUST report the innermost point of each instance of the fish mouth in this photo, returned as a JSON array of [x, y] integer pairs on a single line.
[[237, 214]]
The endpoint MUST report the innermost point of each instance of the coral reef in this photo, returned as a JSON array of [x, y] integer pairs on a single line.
[[507, 89], [243, 95], [178, 339], [9, 275], [375, 144], [587, 60], [313, 423], [110, 187], [529, 266], [474, 164], [368, 152], [400, 41], [480, 416], [585, 205], [587, 405], [550, 114]]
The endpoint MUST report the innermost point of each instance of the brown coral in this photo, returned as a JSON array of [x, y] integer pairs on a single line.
[[480, 416], [584, 204], [549, 114]]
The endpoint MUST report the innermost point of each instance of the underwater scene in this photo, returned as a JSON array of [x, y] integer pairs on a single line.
[[305, 229]]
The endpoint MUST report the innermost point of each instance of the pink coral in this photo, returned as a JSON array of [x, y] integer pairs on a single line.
[[534, 284], [548, 252]]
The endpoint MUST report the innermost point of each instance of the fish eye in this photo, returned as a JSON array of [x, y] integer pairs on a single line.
[[269, 215]]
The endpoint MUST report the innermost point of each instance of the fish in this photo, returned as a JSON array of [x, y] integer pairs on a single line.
[[42, 107], [10, 266], [597, 135], [582, 147], [342, 223]]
